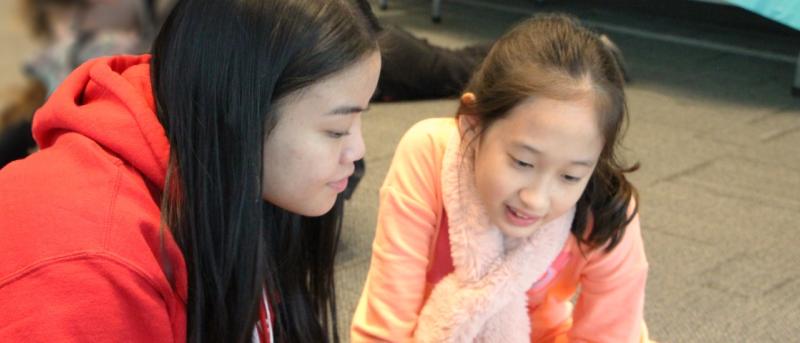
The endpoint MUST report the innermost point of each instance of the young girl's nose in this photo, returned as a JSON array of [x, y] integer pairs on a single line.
[[535, 197]]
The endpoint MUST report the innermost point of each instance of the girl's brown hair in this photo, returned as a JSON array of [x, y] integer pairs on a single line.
[[554, 56]]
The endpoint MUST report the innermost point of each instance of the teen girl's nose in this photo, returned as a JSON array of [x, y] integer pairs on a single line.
[[535, 197], [354, 148]]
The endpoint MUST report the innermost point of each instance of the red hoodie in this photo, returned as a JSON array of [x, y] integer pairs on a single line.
[[82, 252]]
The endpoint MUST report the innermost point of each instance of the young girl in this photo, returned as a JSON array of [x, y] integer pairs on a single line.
[[491, 222], [192, 195]]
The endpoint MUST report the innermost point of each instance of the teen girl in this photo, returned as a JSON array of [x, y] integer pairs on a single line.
[[192, 195]]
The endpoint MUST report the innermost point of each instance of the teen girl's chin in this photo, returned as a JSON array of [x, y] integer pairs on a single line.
[[324, 200]]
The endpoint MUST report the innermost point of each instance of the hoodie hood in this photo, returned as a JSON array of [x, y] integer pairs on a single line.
[[110, 101]]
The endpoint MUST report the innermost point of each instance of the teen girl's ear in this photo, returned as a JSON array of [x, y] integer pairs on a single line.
[[467, 117]]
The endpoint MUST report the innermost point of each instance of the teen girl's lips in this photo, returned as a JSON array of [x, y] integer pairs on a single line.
[[339, 186], [519, 218]]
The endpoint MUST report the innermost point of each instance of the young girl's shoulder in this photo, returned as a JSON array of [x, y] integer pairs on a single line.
[[418, 157], [428, 136], [436, 129]]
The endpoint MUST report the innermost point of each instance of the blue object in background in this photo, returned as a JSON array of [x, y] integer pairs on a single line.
[[786, 12]]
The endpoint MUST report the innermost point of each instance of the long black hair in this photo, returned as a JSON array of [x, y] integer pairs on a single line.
[[219, 68]]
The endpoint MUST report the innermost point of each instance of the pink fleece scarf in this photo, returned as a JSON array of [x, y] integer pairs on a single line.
[[484, 299]]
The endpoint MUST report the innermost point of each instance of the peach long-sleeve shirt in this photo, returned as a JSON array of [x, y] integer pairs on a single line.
[[405, 261]]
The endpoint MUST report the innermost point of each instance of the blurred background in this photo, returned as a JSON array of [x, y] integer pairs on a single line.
[[713, 123]]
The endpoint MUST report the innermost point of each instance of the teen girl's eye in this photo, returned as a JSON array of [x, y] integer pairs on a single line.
[[571, 179]]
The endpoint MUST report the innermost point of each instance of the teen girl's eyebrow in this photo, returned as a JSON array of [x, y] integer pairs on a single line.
[[523, 146], [345, 110]]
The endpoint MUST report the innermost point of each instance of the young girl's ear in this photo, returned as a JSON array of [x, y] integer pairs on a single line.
[[467, 118]]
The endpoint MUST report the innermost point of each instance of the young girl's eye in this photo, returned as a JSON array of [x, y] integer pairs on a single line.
[[338, 134], [571, 179], [519, 163]]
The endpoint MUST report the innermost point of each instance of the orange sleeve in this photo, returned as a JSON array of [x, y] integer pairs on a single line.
[[610, 305], [84, 298], [395, 288]]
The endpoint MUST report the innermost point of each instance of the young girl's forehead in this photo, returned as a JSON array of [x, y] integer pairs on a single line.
[[551, 104], [541, 118]]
